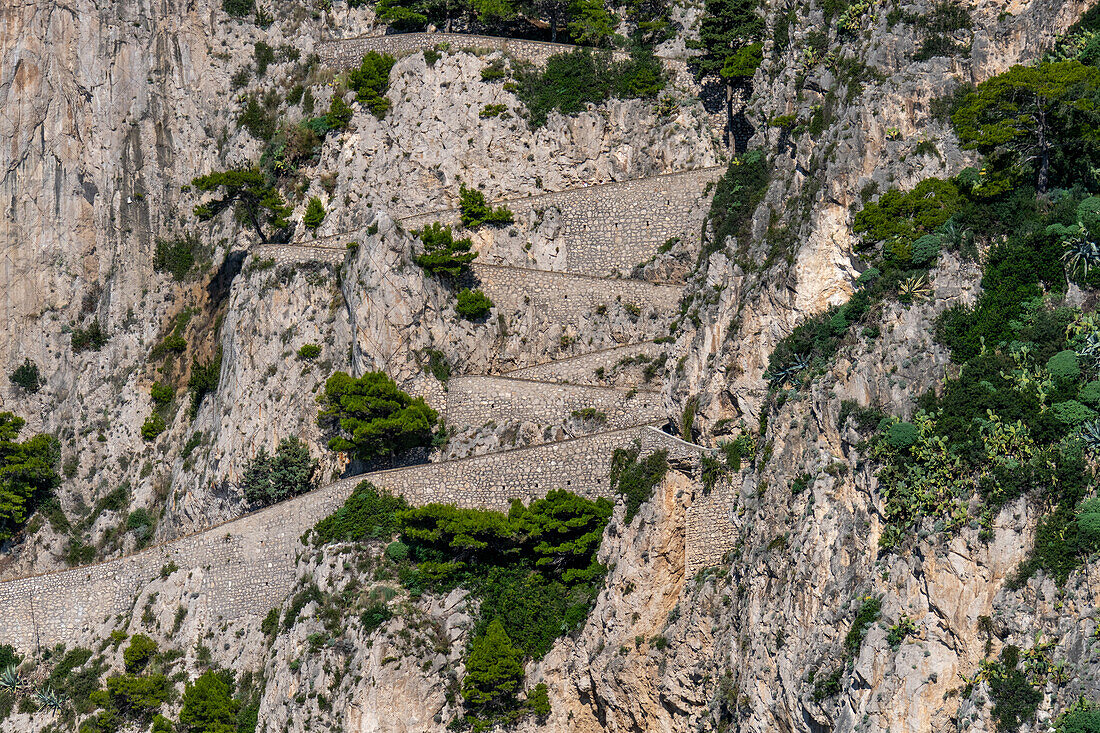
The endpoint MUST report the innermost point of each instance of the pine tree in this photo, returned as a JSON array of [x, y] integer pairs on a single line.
[[494, 671]]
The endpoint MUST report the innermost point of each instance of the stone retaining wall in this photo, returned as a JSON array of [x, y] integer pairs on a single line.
[[612, 227], [569, 299], [247, 565], [347, 52], [472, 401], [709, 532], [582, 369], [288, 254]]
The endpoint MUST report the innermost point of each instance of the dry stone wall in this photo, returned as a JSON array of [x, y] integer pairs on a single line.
[[709, 532], [348, 52], [473, 401], [290, 254], [247, 565], [612, 227], [570, 299], [583, 369]]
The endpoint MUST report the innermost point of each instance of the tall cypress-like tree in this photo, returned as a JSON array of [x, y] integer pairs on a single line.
[[494, 672]]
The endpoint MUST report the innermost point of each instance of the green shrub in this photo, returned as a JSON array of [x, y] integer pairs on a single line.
[[161, 724], [431, 55], [263, 55], [570, 81], [443, 255], [1014, 699], [371, 80], [634, 479], [138, 697], [91, 338], [309, 352], [736, 196], [1072, 412], [162, 394], [271, 479], [153, 426], [368, 513], [372, 417], [239, 8], [27, 377], [472, 304], [1081, 718], [1088, 530], [907, 216], [828, 686], [475, 211], [204, 379], [259, 116], [138, 653], [866, 615], [726, 29], [538, 701], [315, 213], [900, 631], [28, 473], [374, 616], [339, 113], [902, 435], [1064, 366]]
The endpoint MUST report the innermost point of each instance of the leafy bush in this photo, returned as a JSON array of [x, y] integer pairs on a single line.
[[28, 473], [153, 426], [263, 55], [308, 352], [374, 616], [1064, 367], [472, 304], [315, 213], [177, 256], [91, 338], [368, 513], [634, 479], [373, 417], [371, 80], [902, 435], [906, 216], [475, 211], [1080, 718], [27, 377], [259, 115], [138, 653], [138, 697], [271, 479], [443, 255], [570, 81], [239, 8], [162, 394]]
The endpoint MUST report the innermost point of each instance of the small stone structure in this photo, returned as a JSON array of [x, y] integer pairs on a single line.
[[289, 254], [473, 401], [247, 565], [709, 532], [612, 227], [582, 369]]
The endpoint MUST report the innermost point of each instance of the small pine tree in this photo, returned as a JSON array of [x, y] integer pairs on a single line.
[[494, 672], [444, 256], [315, 213], [472, 304], [27, 377]]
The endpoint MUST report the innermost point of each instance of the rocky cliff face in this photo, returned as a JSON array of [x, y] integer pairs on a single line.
[[109, 112]]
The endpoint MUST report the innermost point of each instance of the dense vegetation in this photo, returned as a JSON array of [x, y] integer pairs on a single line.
[[372, 417], [738, 193], [570, 81], [533, 568], [28, 473]]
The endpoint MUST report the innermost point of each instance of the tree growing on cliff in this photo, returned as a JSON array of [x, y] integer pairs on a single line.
[[443, 255], [208, 704], [1043, 119], [726, 29], [373, 417], [494, 671], [270, 479], [256, 202], [27, 472]]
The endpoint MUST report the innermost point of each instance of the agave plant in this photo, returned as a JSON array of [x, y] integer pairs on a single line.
[[1081, 252], [11, 680], [789, 373], [914, 289], [1089, 350], [1090, 435], [49, 700]]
